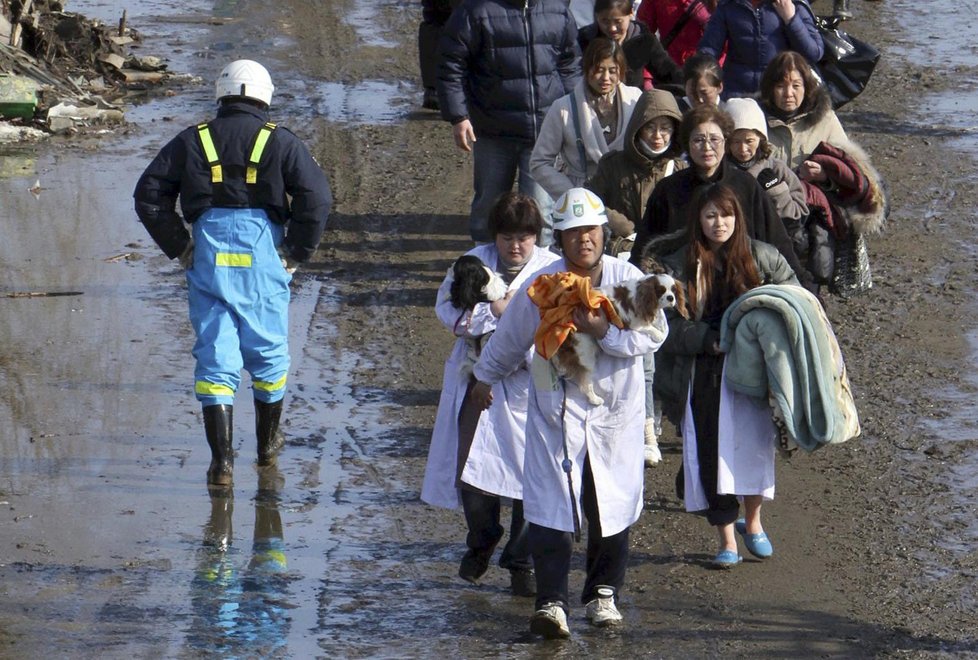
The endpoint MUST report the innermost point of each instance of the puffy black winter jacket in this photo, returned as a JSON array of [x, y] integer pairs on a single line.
[[504, 62], [286, 169]]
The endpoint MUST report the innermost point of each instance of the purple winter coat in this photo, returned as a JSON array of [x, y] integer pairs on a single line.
[[753, 38]]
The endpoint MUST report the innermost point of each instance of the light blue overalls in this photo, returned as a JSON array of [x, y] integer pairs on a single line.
[[239, 298]]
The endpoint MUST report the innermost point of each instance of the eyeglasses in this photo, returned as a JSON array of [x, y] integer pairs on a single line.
[[700, 141]]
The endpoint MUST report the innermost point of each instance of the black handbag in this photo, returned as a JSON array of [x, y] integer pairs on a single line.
[[847, 62]]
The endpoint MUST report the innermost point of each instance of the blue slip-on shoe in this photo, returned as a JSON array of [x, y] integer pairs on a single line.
[[741, 526], [726, 559], [758, 545]]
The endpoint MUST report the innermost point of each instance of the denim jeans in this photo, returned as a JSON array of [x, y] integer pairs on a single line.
[[498, 163]]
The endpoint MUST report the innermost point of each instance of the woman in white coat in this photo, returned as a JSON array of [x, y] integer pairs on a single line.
[[583, 126], [602, 446], [492, 467]]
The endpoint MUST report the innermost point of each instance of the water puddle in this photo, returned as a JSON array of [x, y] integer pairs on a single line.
[[944, 35], [362, 102], [367, 102], [363, 17]]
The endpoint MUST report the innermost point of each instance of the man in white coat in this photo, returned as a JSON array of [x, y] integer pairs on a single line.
[[602, 446]]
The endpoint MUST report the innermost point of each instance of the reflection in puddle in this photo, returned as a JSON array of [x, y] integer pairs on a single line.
[[242, 610]]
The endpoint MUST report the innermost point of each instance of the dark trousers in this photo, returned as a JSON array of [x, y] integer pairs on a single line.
[[552, 549], [724, 509], [482, 509], [482, 513]]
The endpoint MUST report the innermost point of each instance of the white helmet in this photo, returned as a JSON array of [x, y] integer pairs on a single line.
[[578, 207], [245, 78]]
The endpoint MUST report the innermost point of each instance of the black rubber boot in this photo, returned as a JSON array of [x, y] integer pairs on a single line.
[[218, 425], [270, 439]]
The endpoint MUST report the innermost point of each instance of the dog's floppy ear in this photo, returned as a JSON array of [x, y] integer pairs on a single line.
[[681, 305], [495, 288]]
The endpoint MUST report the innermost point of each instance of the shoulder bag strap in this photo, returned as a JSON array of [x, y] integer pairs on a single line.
[[680, 24], [576, 118]]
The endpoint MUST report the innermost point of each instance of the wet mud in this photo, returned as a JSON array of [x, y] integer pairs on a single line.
[[112, 546]]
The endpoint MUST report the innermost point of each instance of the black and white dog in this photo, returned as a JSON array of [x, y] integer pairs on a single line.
[[472, 282]]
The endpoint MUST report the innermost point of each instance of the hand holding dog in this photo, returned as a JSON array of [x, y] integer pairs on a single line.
[[481, 395], [591, 322]]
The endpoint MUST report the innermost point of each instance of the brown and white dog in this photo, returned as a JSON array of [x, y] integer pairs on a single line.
[[472, 282], [641, 304]]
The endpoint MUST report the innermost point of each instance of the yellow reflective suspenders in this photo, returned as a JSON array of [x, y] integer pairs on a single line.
[[261, 139], [257, 148], [204, 133]]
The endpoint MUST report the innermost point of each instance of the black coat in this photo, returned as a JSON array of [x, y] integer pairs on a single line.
[[286, 169], [503, 64], [642, 51], [668, 206]]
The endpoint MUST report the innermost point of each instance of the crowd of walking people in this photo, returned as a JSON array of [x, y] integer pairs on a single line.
[[688, 137], [682, 157]]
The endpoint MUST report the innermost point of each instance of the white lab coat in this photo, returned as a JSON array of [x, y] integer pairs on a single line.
[[746, 444], [558, 137], [495, 462], [611, 435]]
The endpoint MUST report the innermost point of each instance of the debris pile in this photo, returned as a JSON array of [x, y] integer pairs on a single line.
[[62, 71]]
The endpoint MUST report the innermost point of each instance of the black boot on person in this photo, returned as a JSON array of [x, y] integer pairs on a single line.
[[270, 438], [219, 428]]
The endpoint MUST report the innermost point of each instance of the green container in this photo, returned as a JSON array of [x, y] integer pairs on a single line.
[[18, 97]]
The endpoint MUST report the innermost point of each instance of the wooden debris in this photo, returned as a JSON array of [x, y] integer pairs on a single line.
[[39, 294]]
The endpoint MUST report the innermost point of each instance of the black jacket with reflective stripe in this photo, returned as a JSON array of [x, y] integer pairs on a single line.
[[286, 169]]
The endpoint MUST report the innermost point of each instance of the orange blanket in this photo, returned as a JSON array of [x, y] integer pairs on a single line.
[[557, 296]]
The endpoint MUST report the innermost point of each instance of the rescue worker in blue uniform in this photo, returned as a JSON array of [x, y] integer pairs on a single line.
[[257, 203]]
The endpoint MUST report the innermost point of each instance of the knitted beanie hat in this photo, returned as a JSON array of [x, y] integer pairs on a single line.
[[747, 114]]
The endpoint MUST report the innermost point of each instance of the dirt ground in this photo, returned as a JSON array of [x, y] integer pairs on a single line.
[[875, 539]]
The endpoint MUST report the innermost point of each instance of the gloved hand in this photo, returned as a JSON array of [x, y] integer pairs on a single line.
[[288, 264], [187, 256], [768, 178]]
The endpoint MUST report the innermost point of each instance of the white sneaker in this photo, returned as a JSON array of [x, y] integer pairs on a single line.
[[601, 611], [652, 453], [550, 621]]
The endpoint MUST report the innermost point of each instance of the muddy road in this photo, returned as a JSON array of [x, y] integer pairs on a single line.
[[112, 547]]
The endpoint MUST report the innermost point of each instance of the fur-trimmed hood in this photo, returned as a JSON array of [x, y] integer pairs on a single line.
[[868, 216]]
